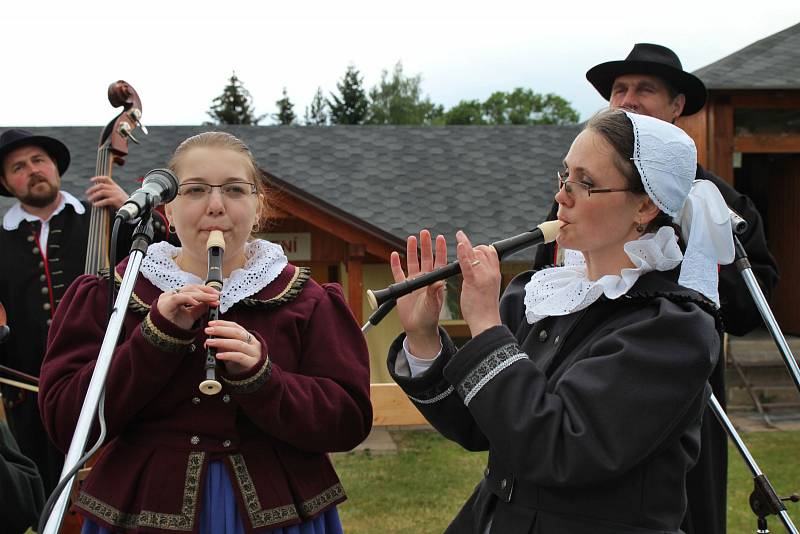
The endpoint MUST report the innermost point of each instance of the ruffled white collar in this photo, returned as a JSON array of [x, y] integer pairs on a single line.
[[564, 290], [264, 261], [16, 214]]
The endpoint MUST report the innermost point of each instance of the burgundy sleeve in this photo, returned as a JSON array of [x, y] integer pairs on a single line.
[[324, 406]]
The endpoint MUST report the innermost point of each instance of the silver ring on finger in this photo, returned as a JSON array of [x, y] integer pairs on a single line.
[[475, 262], [248, 339]]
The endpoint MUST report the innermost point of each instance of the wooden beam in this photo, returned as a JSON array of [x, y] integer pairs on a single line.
[[766, 99], [391, 407], [767, 143], [696, 126]]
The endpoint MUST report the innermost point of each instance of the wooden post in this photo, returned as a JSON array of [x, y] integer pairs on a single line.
[[355, 278], [720, 139], [696, 126]]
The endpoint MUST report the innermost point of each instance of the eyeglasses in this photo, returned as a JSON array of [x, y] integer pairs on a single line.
[[567, 184], [231, 190]]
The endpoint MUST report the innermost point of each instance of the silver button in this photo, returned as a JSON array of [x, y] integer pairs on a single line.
[[46, 306], [192, 347], [555, 341], [35, 250], [195, 400], [42, 278], [226, 398], [543, 336], [194, 440], [44, 291], [30, 239], [49, 321], [503, 484], [226, 443]]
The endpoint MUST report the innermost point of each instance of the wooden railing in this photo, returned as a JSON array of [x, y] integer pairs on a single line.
[[391, 407]]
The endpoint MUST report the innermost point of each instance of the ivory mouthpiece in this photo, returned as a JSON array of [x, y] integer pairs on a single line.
[[215, 239], [550, 230]]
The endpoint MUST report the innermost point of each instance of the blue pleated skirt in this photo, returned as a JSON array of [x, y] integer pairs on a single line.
[[219, 514]]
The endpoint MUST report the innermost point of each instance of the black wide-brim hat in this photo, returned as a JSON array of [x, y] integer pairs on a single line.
[[655, 60], [15, 138]]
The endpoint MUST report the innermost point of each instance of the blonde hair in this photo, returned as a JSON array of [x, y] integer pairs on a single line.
[[227, 141]]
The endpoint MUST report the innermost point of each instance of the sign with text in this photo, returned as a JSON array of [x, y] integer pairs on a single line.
[[297, 247]]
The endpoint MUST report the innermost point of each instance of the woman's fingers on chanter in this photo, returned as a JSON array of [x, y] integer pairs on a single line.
[[441, 252], [426, 248], [412, 259], [397, 267]]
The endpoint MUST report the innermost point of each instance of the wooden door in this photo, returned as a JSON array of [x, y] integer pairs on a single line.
[[784, 242]]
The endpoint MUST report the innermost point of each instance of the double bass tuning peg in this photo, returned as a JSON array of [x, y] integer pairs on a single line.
[[126, 130], [136, 115]]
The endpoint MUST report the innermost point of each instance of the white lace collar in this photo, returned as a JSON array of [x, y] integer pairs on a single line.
[[264, 261], [564, 290]]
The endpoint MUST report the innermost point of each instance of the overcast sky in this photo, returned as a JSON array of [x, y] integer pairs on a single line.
[[60, 56]]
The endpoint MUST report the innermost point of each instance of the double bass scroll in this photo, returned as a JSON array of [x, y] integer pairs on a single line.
[[113, 148]]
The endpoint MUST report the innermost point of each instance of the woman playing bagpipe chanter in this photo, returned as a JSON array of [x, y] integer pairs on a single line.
[[293, 366], [587, 382]]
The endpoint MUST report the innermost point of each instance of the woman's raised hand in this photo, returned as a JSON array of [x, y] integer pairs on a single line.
[[186, 305], [480, 291], [419, 310]]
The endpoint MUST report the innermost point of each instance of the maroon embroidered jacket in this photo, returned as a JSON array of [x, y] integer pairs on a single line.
[[309, 395]]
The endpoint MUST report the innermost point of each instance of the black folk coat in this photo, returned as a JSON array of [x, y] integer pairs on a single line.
[[591, 419]]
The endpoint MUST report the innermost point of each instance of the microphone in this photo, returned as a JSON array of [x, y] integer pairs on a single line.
[[159, 186], [738, 224]]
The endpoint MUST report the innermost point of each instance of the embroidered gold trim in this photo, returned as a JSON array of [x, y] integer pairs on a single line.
[[136, 303], [292, 289], [183, 521], [160, 339], [314, 505], [248, 385], [289, 286], [259, 517]]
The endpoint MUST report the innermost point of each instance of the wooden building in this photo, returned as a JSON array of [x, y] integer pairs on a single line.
[[749, 134]]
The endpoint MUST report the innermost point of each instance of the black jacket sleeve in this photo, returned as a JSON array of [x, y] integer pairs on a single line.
[[21, 490], [739, 312]]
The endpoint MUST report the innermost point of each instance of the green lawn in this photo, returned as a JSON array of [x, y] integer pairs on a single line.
[[420, 489]]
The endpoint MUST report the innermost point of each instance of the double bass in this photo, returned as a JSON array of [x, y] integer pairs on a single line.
[[112, 149]]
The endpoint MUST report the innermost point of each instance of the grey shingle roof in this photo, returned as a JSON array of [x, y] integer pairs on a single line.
[[771, 63], [491, 181]]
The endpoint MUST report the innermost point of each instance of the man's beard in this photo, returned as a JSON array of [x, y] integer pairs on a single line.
[[40, 200]]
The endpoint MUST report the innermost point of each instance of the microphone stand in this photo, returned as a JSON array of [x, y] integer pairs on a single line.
[[143, 236], [743, 266], [763, 500]]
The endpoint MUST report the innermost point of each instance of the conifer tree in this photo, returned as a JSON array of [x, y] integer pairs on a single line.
[[234, 105], [285, 113], [350, 105], [317, 114]]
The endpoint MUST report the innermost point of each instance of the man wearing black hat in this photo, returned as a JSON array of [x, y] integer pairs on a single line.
[[651, 81], [43, 242]]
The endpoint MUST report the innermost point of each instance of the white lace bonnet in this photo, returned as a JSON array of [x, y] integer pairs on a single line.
[[666, 159]]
